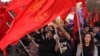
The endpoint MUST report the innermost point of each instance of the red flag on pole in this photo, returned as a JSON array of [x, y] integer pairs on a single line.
[[85, 12], [78, 0], [83, 2], [8, 17], [75, 28], [4, 18], [35, 17], [88, 17], [95, 16], [4, 13]]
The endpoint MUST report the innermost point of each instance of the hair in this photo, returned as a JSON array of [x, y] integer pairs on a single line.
[[44, 31], [97, 24], [86, 25], [52, 28], [91, 45], [50, 31]]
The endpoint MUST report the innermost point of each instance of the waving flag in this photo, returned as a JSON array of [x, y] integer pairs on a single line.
[[95, 17], [35, 16], [17, 4], [83, 2]]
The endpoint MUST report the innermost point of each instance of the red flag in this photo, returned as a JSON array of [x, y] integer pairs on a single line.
[[17, 4], [18, 10], [76, 22], [8, 17], [83, 2], [85, 12], [95, 17], [78, 0], [3, 26], [63, 16], [35, 17], [4, 13], [88, 17], [75, 28], [4, 18]]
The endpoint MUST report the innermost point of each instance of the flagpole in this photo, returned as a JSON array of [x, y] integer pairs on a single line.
[[19, 40], [79, 29], [27, 35], [31, 39]]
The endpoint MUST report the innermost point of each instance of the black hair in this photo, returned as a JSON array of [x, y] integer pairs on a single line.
[[50, 31], [52, 28], [97, 24], [86, 25]]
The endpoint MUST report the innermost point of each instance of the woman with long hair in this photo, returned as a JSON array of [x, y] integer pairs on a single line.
[[88, 47]]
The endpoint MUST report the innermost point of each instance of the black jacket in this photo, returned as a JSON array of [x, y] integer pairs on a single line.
[[47, 47]]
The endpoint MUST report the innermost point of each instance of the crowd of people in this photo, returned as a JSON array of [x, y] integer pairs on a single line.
[[59, 41]]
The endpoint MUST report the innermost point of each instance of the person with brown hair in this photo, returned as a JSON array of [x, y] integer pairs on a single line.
[[87, 48]]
